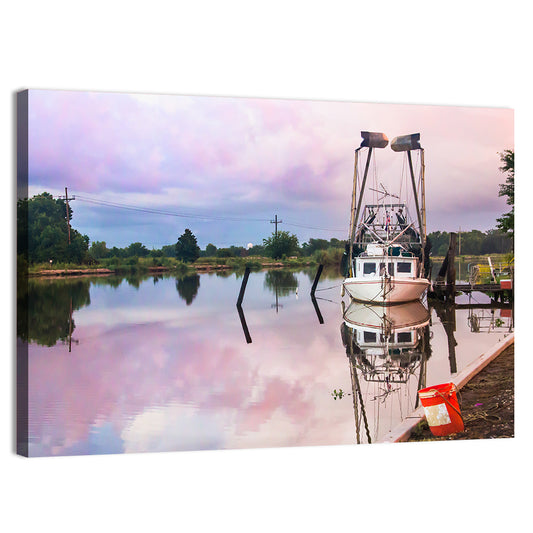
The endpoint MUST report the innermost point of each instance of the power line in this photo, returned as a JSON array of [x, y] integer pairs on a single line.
[[106, 203], [129, 207], [313, 227]]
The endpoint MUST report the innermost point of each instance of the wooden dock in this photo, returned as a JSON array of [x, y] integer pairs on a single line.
[[467, 287], [445, 287]]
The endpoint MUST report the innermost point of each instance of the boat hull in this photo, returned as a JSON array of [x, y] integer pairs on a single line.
[[399, 318], [386, 290]]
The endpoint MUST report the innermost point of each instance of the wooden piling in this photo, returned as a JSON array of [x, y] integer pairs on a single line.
[[447, 270], [244, 325], [317, 277], [450, 274], [317, 309], [239, 306], [243, 286]]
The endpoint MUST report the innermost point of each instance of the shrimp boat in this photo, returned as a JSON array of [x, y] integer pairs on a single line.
[[387, 255]]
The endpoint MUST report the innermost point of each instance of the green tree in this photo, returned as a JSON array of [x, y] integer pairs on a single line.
[[257, 249], [225, 252], [42, 231], [137, 249], [169, 250], [314, 245], [98, 250], [281, 244], [210, 250], [187, 248], [506, 221]]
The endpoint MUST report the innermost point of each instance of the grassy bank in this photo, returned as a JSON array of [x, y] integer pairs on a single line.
[[483, 259], [144, 265]]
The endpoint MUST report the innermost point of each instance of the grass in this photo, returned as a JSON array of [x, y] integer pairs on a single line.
[[131, 265], [38, 267]]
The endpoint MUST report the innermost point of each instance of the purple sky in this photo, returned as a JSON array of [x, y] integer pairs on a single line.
[[231, 164]]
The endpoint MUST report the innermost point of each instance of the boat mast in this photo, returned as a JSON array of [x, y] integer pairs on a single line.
[[352, 210], [371, 140], [418, 211], [423, 189], [359, 202], [407, 143]]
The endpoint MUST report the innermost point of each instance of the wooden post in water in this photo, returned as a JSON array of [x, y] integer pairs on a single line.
[[446, 313], [317, 277], [243, 286], [317, 309], [450, 274], [239, 306], [244, 325], [450, 328]]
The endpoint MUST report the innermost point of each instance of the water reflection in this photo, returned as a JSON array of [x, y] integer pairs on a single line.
[[161, 365], [490, 319], [45, 307], [281, 283], [387, 349], [187, 287]]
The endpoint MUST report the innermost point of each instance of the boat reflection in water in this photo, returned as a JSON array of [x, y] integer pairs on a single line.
[[387, 348]]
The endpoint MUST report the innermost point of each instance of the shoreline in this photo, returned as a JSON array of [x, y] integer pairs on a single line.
[[403, 432], [58, 273]]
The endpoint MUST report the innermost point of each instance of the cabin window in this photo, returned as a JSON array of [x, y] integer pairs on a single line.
[[369, 336], [404, 336], [369, 268], [404, 268], [391, 269]]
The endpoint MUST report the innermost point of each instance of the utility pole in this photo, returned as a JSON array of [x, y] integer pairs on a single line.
[[66, 198], [276, 222], [68, 218]]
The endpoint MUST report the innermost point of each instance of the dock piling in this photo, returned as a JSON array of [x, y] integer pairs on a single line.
[[317, 277], [243, 286], [450, 274]]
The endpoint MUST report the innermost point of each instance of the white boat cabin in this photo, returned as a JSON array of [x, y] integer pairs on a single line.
[[376, 263], [395, 344]]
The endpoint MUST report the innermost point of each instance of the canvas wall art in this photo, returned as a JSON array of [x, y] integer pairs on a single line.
[[213, 273]]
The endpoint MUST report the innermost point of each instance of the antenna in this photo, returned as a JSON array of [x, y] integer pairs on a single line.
[[383, 192]]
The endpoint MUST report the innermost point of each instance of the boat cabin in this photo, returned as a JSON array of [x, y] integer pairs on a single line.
[[395, 343], [378, 261]]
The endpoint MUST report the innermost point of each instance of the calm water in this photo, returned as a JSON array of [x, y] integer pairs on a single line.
[[161, 364]]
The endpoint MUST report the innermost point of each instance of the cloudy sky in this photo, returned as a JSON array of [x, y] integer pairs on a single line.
[[145, 167]]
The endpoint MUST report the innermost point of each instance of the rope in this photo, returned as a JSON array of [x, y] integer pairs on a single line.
[[328, 288], [326, 300], [446, 400]]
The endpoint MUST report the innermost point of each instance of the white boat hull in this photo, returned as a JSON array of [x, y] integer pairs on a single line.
[[402, 317], [386, 290]]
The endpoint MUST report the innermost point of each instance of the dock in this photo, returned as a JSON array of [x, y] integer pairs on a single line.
[[445, 287]]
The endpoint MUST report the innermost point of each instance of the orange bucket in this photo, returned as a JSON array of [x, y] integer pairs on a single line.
[[443, 413]]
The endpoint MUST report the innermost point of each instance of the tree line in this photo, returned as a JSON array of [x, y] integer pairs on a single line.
[[44, 235]]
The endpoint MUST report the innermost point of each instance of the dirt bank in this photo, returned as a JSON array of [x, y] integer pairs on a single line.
[[71, 272], [487, 404]]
